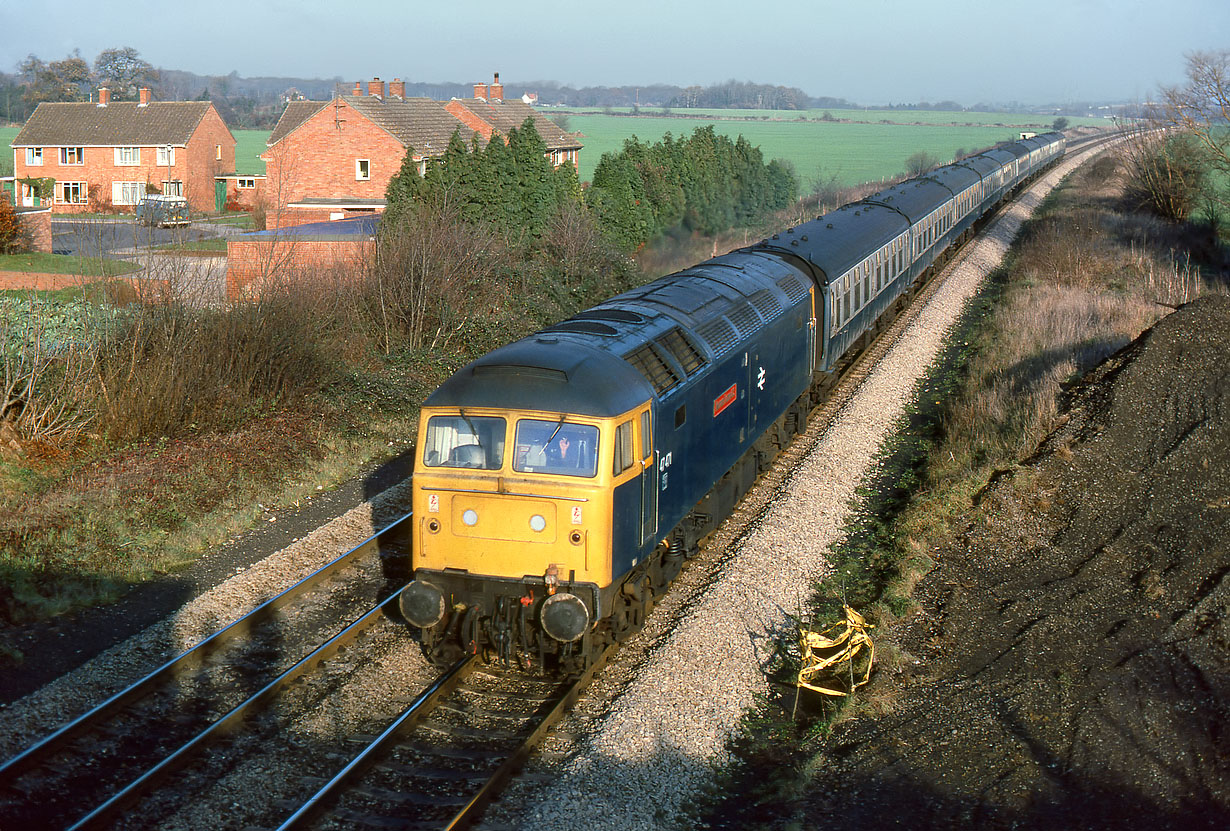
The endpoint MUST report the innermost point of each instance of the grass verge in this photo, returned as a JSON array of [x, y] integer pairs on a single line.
[[38, 262]]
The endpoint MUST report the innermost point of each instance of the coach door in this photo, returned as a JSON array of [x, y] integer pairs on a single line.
[[649, 479]]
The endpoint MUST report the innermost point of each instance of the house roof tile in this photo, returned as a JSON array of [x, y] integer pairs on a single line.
[[296, 113], [119, 124], [505, 115], [421, 123]]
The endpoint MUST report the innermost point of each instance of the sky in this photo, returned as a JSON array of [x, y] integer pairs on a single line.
[[867, 51]]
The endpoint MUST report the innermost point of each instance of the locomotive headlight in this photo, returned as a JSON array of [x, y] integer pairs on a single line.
[[470, 517], [537, 522], [564, 617], [422, 604]]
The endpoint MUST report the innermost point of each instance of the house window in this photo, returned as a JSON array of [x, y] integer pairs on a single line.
[[127, 193], [127, 156], [218, 152], [173, 188], [245, 184], [362, 169], [166, 156], [34, 156], [72, 155], [423, 167], [72, 193]]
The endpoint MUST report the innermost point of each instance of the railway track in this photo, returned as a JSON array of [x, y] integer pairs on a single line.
[[234, 699], [101, 763], [440, 762]]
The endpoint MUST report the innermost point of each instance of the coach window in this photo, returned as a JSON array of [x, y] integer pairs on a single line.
[[681, 416]]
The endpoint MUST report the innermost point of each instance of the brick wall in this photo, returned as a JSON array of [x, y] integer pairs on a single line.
[[12, 280], [37, 223], [251, 263], [203, 164], [318, 160], [468, 118]]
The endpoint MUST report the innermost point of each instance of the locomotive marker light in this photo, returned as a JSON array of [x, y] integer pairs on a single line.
[[422, 604], [564, 617]]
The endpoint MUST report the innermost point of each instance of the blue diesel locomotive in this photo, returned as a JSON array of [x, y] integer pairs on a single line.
[[561, 481]]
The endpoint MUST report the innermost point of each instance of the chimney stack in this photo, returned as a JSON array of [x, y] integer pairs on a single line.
[[104, 96], [144, 92], [480, 92], [375, 87], [397, 88], [358, 88], [497, 89]]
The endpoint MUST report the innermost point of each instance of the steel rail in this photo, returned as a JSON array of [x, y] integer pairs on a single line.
[[228, 723], [421, 706], [194, 656], [490, 789]]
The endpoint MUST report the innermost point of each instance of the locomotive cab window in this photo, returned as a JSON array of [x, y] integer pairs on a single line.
[[560, 447], [625, 456], [465, 441]]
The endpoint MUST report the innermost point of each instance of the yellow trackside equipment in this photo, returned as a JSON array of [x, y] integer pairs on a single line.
[[832, 653]]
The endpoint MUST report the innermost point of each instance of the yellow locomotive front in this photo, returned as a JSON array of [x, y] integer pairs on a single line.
[[516, 474]]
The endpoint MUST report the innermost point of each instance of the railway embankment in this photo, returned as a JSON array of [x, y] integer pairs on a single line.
[[1067, 663], [1058, 654]]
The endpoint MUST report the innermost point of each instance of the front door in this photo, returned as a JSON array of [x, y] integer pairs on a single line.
[[27, 196]]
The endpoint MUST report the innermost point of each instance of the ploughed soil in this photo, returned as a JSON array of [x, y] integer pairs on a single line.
[[1071, 665]]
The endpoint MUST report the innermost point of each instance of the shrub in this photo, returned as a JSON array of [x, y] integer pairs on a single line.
[[13, 235], [170, 366], [1166, 174]]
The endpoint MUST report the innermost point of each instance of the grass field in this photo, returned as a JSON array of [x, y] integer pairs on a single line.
[[249, 144], [1032, 121], [854, 153], [856, 146], [7, 134]]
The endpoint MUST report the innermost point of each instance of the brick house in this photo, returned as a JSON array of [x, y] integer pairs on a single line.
[[488, 113], [334, 159], [114, 152]]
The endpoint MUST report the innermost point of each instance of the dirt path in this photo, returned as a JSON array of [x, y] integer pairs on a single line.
[[1074, 651]]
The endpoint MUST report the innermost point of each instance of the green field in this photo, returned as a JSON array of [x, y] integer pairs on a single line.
[[1032, 121], [7, 134], [249, 144], [853, 152]]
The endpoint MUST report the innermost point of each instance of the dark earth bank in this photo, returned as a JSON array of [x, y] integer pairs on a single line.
[[1072, 652]]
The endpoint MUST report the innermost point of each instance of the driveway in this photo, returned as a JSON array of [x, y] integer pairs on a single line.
[[122, 236], [201, 280]]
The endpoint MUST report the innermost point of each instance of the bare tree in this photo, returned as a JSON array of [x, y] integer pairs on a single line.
[[1165, 170], [1201, 107], [124, 71], [430, 276]]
